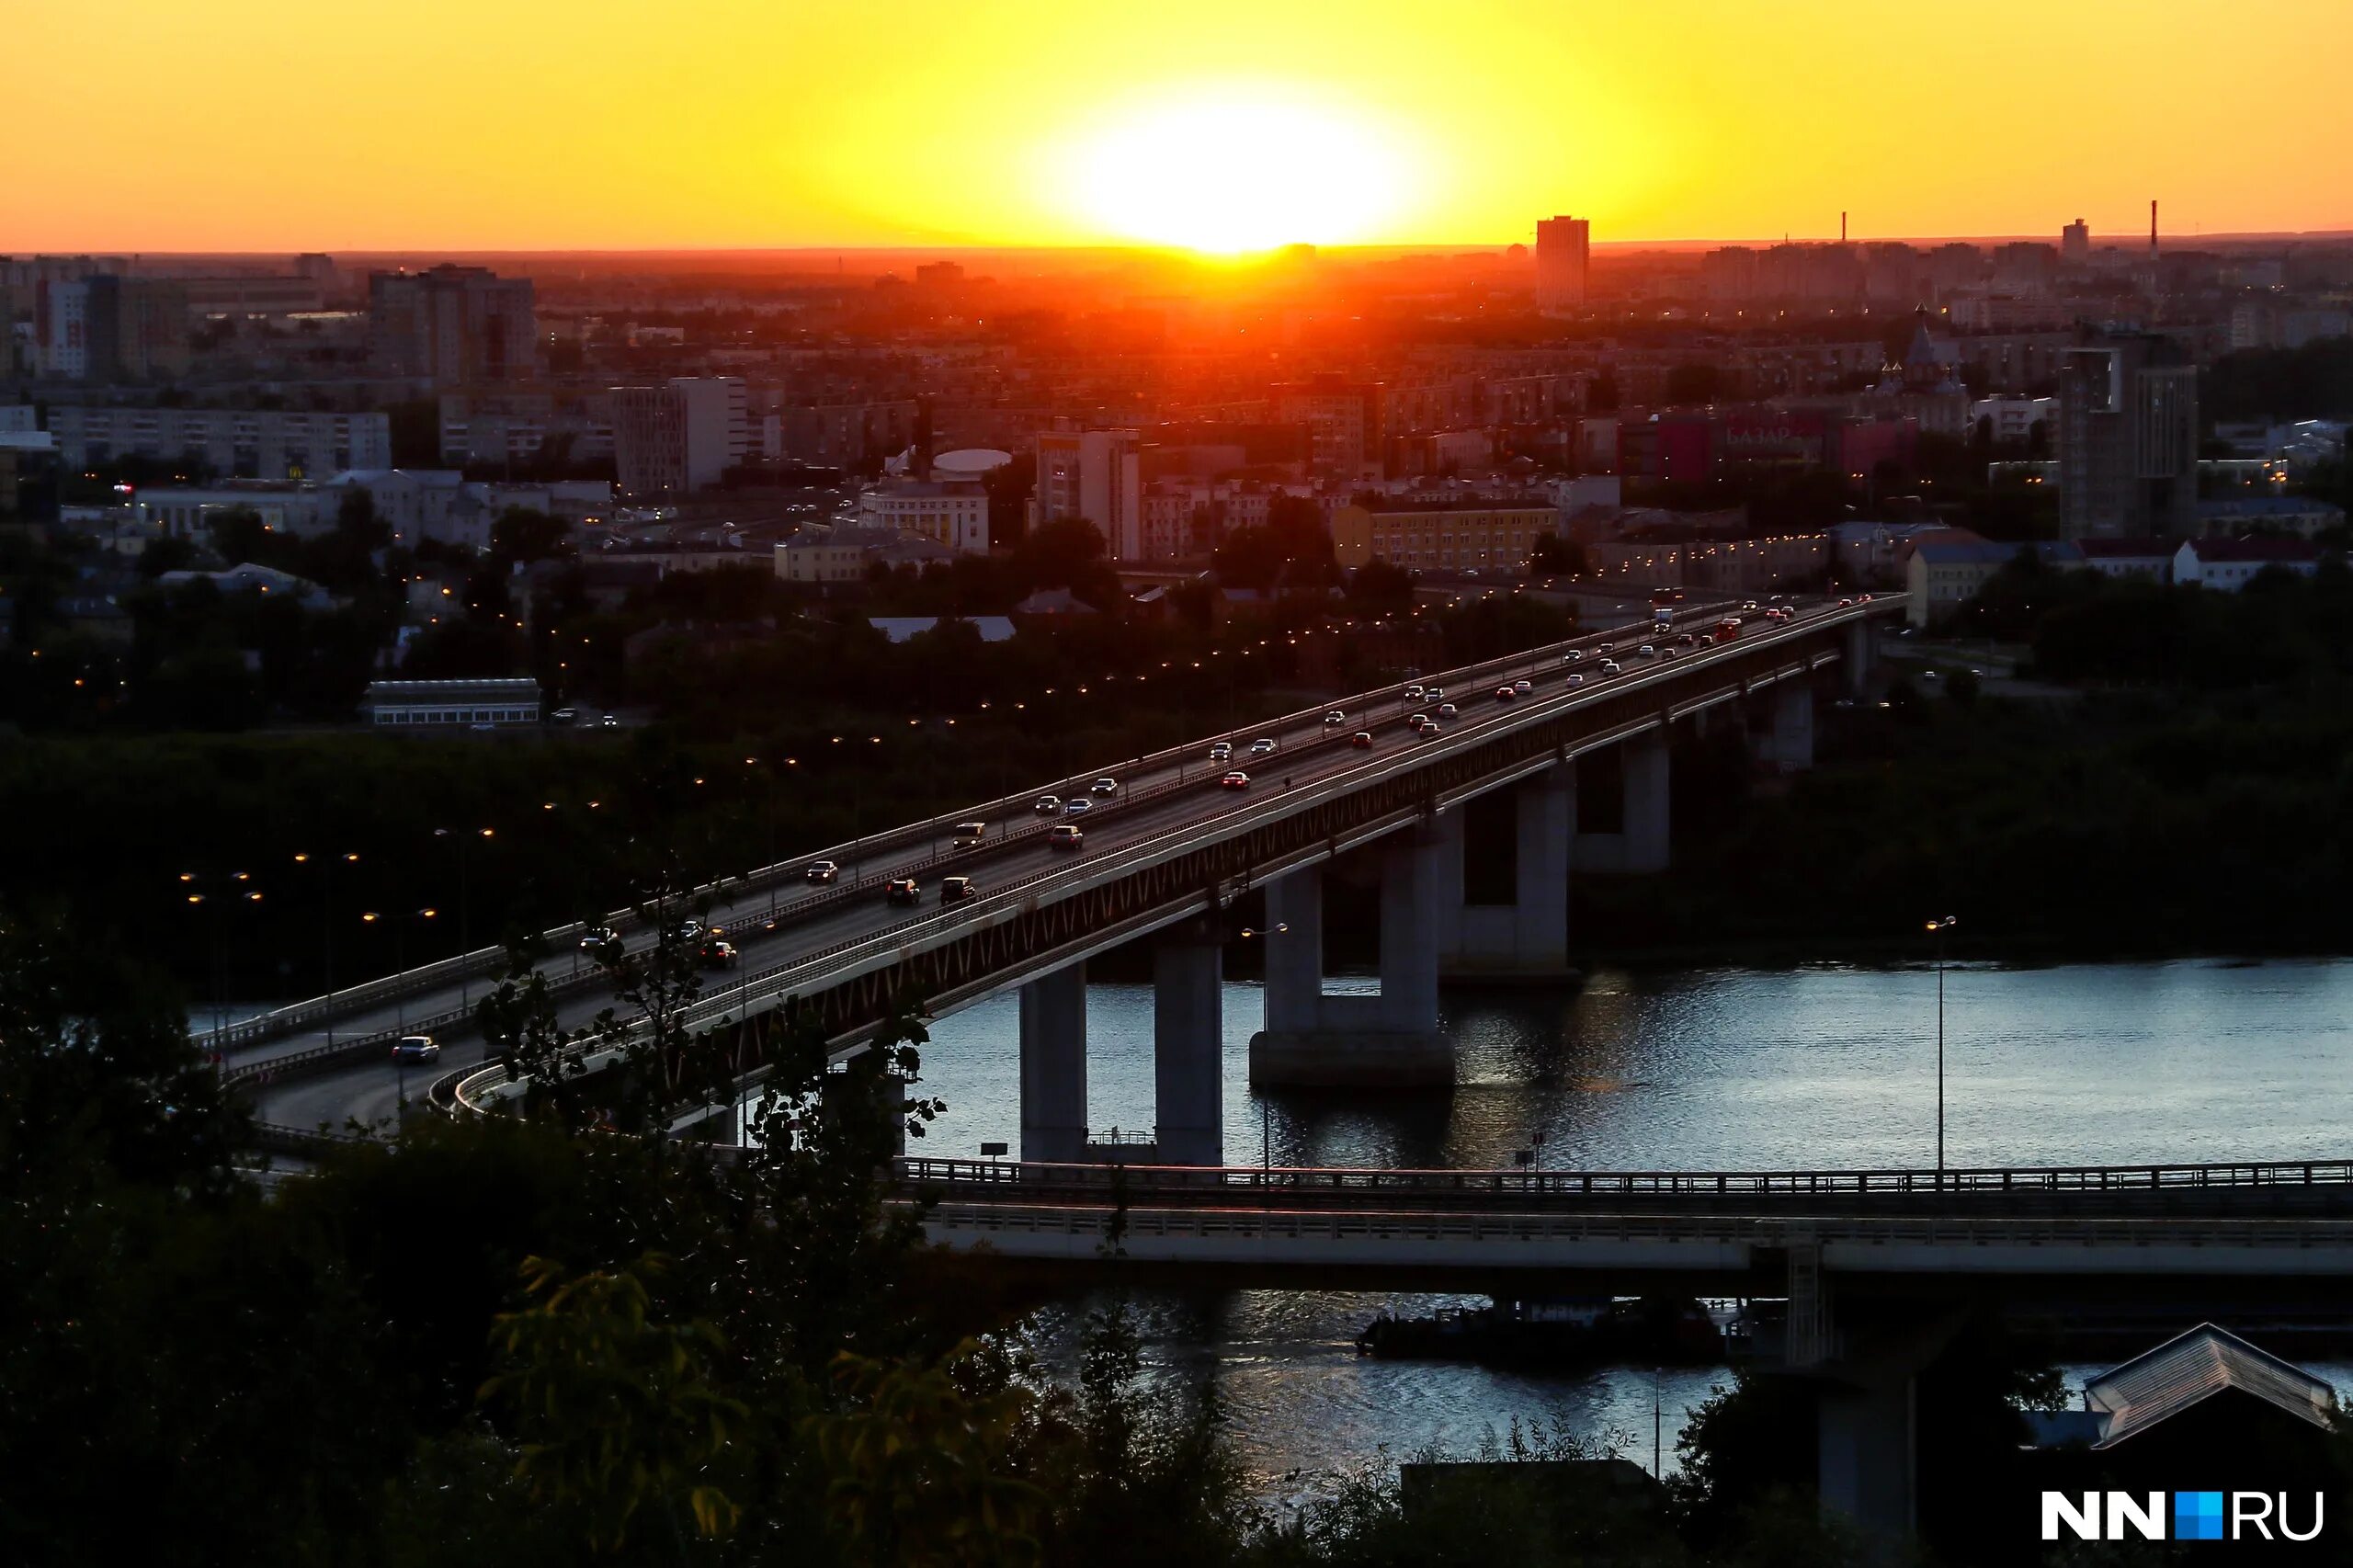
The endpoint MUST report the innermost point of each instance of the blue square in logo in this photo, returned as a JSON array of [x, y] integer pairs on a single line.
[[2198, 1515]]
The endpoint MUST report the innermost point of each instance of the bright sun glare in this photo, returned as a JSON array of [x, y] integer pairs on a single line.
[[1225, 173]]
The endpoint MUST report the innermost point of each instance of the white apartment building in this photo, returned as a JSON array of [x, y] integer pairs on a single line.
[[241, 443], [1096, 476], [681, 436]]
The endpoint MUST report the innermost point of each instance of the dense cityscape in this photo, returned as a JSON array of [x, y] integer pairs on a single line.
[[1217, 888]]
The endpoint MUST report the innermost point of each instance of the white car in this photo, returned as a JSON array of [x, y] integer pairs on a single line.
[[1262, 747], [1434, 694], [1413, 692], [1447, 711], [1334, 719], [1577, 680], [1607, 649], [1105, 786], [1523, 686], [1611, 667], [1220, 751], [1077, 806]]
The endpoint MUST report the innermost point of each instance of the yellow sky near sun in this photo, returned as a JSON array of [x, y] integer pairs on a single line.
[[461, 124]]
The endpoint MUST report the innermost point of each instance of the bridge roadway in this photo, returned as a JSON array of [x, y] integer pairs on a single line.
[[750, 912], [307, 1088], [2271, 1231]]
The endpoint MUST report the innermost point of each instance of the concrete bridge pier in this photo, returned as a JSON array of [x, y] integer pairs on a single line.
[[1189, 1085], [1527, 939], [1861, 655], [1867, 1434], [1389, 1040], [1646, 802], [1053, 1066], [1786, 745]]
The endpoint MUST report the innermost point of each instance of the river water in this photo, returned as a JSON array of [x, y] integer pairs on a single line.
[[1723, 1069]]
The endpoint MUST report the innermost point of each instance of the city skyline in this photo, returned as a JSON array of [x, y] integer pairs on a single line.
[[1047, 125]]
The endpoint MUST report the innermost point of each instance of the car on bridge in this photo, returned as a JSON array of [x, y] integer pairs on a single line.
[[1361, 740], [1523, 686], [1262, 747], [904, 889], [1415, 693], [1573, 657], [968, 835], [1237, 779], [1448, 711], [596, 937], [688, 930], [1049, 806], [1606, 649], [1612, 667], [1104, 786], [1646, 651], [952, 889], [716, 954], [1077, 806], [1334, 719], [1575, 681], [1220, 751], [820, 871], [1505, 694], [1065, 836], [1434, 694], [417, 1048]]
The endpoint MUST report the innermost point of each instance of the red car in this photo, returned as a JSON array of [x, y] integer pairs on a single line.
[[1361, 740], [1237, 779]]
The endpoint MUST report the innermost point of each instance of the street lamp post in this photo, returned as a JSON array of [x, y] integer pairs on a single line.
[[465, 906], [1937, 928]]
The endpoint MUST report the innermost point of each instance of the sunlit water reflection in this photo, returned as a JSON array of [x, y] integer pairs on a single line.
[[1717, 1069]]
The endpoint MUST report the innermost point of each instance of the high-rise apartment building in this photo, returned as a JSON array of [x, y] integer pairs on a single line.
[[1563, 247], [2076, 244], [452, 324], [2127, 437], [1096, 475], [105, 327], [1344, 420], [681, 436]]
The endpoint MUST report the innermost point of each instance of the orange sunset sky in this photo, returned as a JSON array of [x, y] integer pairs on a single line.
[[1221, 125]]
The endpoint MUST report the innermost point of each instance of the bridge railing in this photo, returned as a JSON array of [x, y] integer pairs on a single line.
[[487, 961], [1014, 1178]]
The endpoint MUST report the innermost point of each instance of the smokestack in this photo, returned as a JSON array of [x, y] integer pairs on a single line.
[[2153, 229], [1842, 228]]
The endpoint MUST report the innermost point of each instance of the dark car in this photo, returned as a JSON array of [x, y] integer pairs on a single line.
[[954, 888], [417, 1048], [596, 937], [717, 955], [822, 871], [1065, 836], [1361, 740], [904, 889]]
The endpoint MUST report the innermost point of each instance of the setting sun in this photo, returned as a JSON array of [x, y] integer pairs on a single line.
[[1228, 170]]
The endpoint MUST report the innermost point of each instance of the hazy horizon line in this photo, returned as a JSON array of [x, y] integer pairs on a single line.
[[2115, 238]]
